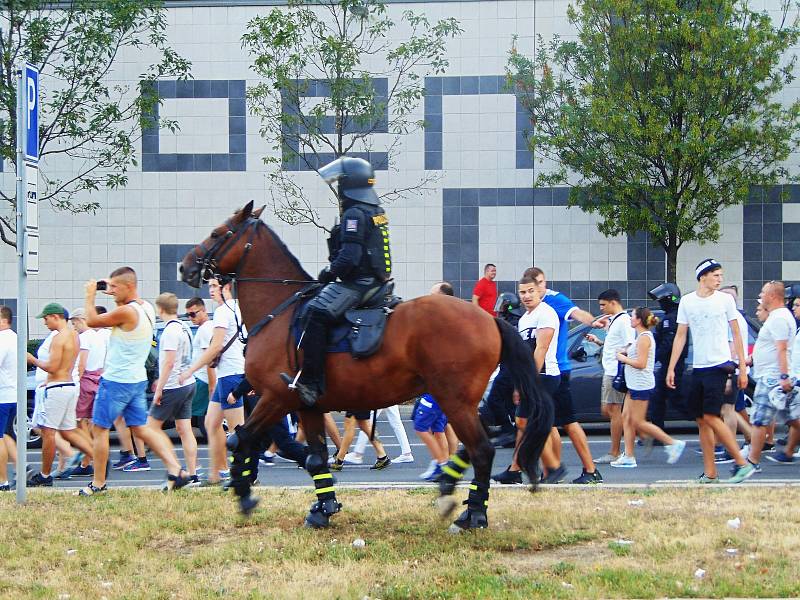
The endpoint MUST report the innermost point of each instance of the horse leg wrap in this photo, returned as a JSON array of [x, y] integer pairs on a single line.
[[477, 502], [453, 472], [244, 468], [326, 504]]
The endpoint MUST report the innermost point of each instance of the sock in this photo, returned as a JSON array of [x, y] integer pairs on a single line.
[[269, 454]]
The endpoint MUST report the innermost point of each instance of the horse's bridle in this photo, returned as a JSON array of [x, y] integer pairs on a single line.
[[210, 260]]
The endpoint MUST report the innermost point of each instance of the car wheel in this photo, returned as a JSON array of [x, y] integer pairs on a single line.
[[34, 440]]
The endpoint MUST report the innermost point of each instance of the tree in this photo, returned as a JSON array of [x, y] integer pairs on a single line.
[[664, 110], [332, 78], [87, 126]]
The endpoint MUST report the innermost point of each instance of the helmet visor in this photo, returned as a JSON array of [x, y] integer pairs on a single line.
[[333, 171]]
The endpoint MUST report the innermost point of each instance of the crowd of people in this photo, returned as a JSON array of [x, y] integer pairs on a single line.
[[91, 374], [642, 366]]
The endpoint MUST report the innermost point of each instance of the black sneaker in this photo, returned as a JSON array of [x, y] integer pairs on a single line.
[[381, 463], [508, 477], [556, 475], [768, 447], [723, 459], [39, 480], [5, 487], [589, 478]]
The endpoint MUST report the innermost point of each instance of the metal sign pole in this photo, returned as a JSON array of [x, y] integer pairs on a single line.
[[22, 297]]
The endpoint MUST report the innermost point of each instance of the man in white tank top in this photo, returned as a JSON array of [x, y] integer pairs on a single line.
[[122, 386]]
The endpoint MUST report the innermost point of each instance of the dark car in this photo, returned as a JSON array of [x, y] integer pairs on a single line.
[[587, 372], [34, 439]]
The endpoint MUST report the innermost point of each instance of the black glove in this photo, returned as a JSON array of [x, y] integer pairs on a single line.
[[325, 276]]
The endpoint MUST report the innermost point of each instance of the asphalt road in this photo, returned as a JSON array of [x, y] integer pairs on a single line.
[[651, 470]]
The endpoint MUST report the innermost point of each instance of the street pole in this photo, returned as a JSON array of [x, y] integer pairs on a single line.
[[22, 300]]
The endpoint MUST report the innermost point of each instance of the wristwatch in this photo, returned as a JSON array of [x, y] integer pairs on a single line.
[[784, 376]]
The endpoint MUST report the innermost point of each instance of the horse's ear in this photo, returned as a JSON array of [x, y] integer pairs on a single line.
[[246, 211], [257, 213]]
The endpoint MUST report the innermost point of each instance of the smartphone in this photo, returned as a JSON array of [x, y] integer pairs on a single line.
[[102, 285]]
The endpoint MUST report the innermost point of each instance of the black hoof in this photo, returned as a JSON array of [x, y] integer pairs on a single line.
[[247, 505], [469, 519], [320, 514], [317, 520]]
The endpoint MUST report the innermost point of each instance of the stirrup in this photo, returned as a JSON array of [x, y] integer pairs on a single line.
[[291, 382]]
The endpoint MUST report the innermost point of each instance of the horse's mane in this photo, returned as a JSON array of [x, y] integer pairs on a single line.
[[285, 249]]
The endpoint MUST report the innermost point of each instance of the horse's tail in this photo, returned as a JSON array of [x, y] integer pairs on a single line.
[[516, 356]]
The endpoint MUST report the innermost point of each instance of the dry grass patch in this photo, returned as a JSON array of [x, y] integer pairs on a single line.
[[558, 543]]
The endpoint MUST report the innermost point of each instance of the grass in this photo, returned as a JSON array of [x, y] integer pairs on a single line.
[[556, 544]]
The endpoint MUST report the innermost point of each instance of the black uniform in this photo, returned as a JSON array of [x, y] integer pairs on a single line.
[[360, 259], [664, 335]]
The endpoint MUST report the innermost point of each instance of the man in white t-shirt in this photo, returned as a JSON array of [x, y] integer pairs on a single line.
[[8, 387], [771, 362], [794, 370], [172, 399], [619, 334], [708, 313], [226, 345], [539, 328], [205, 378]]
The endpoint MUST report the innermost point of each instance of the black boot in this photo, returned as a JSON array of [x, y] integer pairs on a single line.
[[309, 386], [475, 515]]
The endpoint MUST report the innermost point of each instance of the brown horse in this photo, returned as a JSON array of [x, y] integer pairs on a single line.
[[435, 344]]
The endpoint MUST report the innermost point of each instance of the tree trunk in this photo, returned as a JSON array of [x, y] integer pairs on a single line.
[[671, 249]]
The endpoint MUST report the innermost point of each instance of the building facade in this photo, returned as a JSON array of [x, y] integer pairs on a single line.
[[480, 207]]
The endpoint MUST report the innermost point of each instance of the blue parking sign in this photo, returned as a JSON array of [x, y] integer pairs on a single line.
[[31, 110]]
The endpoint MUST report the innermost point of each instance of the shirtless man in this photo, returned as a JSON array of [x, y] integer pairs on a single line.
[[61, 394]]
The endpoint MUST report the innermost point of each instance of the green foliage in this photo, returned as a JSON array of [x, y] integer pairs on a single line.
[[86, 124], [345, 45], [33, 345], [664, 110]]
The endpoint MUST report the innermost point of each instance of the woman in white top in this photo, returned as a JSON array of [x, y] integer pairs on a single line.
[[639, 363]]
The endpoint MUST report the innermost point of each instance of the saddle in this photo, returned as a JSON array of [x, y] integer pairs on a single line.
[[361, 332]]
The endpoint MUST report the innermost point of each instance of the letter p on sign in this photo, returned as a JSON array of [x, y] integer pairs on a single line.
[[31, 110]]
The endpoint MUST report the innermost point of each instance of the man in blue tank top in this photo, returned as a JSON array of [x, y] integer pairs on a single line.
[[122, 386]]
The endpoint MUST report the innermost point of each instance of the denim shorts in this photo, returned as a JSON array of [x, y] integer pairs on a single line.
[[641, 394], [764, 413], [7, 414], [225, 385], [428, 416], [114, 399]]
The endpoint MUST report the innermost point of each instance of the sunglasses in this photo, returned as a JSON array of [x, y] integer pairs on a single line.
[[192, 314]]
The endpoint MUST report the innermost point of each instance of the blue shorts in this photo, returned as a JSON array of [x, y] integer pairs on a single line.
[[225, 385], [740, 402], [114, 399], [642, 394], [7, 414], [428, 416]]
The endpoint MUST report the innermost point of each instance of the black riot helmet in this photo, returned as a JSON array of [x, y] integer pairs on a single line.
[[356, 179], [667, 294]]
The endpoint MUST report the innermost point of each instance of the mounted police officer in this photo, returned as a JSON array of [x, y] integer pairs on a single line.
[[360, 264], [668, 295]]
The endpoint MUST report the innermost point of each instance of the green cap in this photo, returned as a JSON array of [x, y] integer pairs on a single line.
[[54, 308]]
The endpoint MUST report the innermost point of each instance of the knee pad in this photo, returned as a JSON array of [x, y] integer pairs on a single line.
[[314, 463]]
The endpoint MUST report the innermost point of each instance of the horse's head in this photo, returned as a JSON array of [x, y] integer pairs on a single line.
[[221, 252]]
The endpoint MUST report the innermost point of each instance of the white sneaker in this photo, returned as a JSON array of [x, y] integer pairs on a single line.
[[606, 459], [404, 458], [430, 470], [353, 458], [624, 462], [674, 451]]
